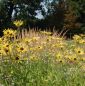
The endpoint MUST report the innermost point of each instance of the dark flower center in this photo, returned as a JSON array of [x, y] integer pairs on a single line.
[[79, 51], [7, 32], [60, 61], [7, 45], [21, 48], [17, 58], [6, 50], [75, 59]]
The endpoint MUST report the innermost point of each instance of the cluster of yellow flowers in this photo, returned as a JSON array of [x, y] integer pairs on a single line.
[[35, 47], [18, 23], [79, 38], [9, 33]]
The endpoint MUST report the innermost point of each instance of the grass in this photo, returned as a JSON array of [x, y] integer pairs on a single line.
[[41, 59], [41, 74]]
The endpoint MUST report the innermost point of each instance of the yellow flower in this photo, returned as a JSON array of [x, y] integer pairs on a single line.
[[82, 58], [76, 37], [59, 55], [6, 45], [21, 48], [33, 58], [61, 60], [4, 52], [82, 41], [27, 40], [6, 48], [35, 38], [82, 35], [48, 39], [37, 48], [9, 32], [17, 58], [45, 32], [72, 57], [79, 51], [40, 47], [32, 49], [18, 23]]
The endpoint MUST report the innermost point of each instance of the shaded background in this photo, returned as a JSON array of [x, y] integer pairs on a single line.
[[59, 14]]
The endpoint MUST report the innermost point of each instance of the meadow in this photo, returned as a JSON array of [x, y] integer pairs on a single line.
[[41, 58]]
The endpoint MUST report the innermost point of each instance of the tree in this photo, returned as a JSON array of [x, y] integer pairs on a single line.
[[55, 14], [18, 9], [71, 22], [66, 14]]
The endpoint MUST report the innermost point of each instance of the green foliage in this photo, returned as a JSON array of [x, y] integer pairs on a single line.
[[18, 9], [40, 73]]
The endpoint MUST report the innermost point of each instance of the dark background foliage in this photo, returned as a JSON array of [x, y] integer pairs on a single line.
[[62, 14]]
